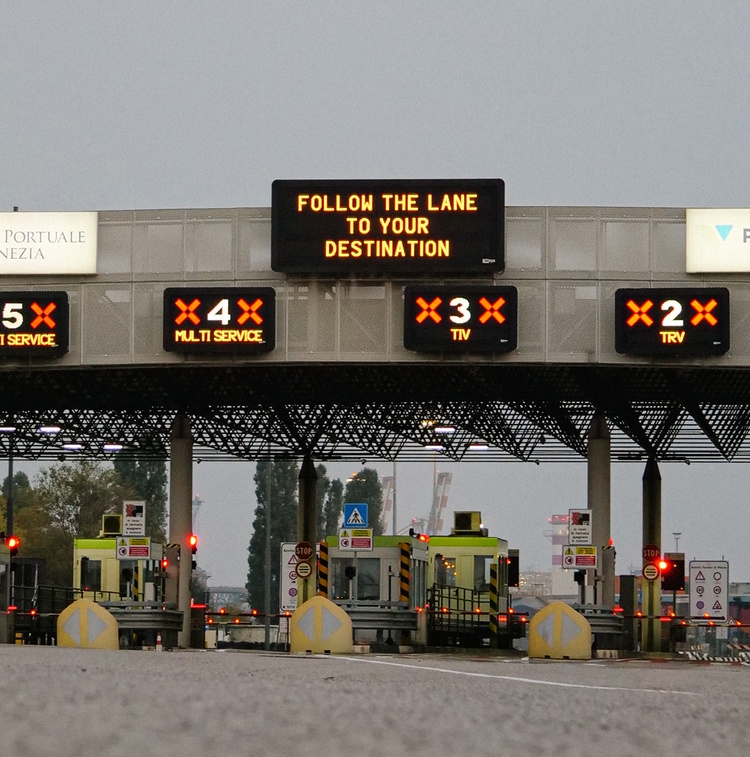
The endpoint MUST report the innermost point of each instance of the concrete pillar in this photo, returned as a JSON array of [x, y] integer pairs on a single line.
[[599, 474], [651, 590], [181, 514], [307, 522]]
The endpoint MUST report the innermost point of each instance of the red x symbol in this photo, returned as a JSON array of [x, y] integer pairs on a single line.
[[42, 315], [492, 310], [187, 312], [249, 311], [704, 311], [429, 310], [639, 313]]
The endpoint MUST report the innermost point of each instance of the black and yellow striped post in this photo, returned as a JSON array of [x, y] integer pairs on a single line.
[[404, 574], [137, 580], [494, 605], [323, 570]]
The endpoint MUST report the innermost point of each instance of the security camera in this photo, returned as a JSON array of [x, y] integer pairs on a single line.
[[364, 462]]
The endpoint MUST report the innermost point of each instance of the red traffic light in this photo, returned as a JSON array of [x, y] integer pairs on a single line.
[[193, 543], [662, 564], [13, 543], [164, 563]]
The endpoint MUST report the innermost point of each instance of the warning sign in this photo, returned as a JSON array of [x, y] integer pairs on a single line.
[[351, 539], [579, 557], [133, 548]]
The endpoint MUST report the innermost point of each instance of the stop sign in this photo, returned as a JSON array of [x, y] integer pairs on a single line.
[[303, 551], [651, 553]]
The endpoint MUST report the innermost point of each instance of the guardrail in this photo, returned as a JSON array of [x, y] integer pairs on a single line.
[[145, 616], [380, 615]]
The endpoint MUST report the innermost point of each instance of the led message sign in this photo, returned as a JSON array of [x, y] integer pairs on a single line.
[[460, 319], [672, 321], [34, 323], [241, 319], [388, 227]]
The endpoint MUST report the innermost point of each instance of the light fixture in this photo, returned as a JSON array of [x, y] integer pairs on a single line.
[[7, 429], [111, 447], [73, 446], [49, 429], [478, 447], [435, 447], [445, 430]]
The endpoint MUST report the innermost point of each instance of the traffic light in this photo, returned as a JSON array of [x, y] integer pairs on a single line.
[[193, 544], [514, 574], [672, 568], [13, 543]]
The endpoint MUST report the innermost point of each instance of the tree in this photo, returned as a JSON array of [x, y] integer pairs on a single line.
[[283, 511], [66, 501], [334, 506], [76, 496], [365, 486], [322, 489], [147, 481]]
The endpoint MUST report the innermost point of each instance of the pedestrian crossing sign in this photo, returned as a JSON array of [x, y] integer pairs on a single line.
[[355, 514]]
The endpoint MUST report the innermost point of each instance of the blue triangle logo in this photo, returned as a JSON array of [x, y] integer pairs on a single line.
[[724, 231]]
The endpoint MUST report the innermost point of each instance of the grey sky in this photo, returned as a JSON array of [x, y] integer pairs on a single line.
[[197, 104]]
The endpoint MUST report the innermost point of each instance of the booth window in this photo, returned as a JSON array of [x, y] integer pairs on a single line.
[[91, 574]]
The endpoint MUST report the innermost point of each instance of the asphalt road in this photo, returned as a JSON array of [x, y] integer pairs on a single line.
[[67, 702]]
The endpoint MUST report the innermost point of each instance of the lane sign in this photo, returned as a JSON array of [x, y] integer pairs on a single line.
[[650, 572], [674, 321], [219, 319], [34, 323], [460, 318]]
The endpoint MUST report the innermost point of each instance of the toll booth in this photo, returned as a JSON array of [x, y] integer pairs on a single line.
[[383, 589], [103, 570], [468, 595]]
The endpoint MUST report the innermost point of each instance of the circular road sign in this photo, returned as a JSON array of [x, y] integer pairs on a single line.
[[650, 572], [651, 553], [303, 551], [304, 569]]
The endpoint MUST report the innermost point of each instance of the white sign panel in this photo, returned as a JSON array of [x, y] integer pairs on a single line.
[[133, 518], [288, 580], [48, 243], [579, 527], [709, 589], [717, 240]]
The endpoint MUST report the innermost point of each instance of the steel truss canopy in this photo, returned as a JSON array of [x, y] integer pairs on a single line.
[[334, 412], [325, 371]]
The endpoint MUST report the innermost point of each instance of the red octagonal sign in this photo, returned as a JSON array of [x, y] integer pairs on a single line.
[[303, 551], [651, 553]]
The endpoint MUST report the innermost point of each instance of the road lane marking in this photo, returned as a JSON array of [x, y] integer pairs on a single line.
[[518, 679]]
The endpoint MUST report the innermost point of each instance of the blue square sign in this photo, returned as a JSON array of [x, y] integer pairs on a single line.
[[355, 515]]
